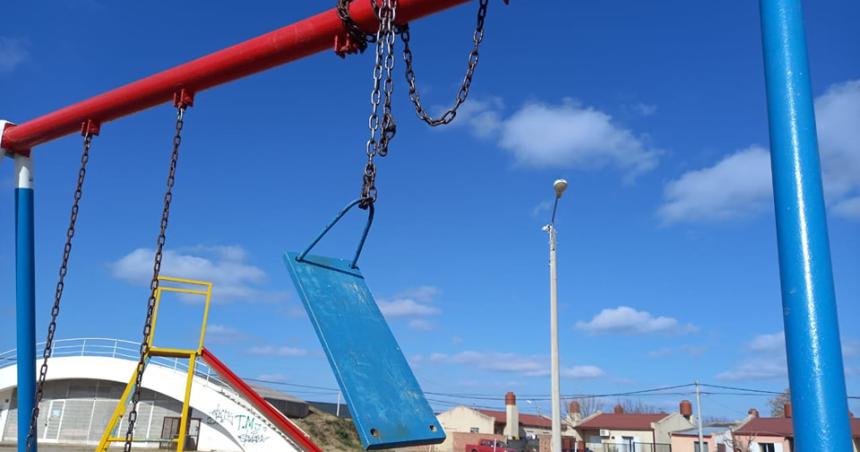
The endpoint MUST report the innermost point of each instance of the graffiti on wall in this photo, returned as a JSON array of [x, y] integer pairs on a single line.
[[248, 428]]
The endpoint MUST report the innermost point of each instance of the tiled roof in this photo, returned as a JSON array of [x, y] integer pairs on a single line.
[[622, 421], [781, 426], [526, 420]]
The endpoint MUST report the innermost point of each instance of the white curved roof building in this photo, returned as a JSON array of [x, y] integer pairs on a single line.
[[86, 378]]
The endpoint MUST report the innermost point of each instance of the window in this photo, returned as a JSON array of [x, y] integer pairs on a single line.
[[474, 430], [766, 447], [701, 447]]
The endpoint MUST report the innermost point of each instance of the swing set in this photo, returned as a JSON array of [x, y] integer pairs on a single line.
[[386, 402]]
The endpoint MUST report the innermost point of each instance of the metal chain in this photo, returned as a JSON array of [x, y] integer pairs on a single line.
[[156, 270], [356, 34], [58, 293], [463, 92], [381, 123]]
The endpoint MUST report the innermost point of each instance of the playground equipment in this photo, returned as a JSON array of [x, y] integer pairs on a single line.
[[199, 288], [361, 349], [816, 372], [202, 289]]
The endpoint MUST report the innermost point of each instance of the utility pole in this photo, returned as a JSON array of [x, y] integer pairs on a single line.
[[559, 186], [699, 417]]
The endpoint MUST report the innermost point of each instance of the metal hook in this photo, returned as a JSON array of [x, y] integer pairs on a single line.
[[370, 212]]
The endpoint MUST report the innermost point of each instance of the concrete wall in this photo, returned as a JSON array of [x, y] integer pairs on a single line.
[[461, 420], [228, 422], [688, 443], [781, 444], [675, 422]]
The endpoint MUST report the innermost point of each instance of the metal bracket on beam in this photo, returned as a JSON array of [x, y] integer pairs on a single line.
[[3, 125], [90, 127], [183, 98], [344, 45]]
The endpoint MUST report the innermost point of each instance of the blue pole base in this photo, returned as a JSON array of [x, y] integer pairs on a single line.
[[25, 312]]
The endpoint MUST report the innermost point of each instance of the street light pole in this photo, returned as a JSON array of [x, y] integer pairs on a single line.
[[560, 185]]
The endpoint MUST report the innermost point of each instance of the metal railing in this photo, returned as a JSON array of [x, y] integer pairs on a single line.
[[629, 447], [113, 348]]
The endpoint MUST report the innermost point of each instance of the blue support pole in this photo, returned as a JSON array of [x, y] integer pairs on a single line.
[[815, 368], [25, 309]]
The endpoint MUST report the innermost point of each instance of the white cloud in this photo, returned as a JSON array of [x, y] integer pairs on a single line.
[[529, 366], [690, 350], [837, 114], [422, 325], [626, 320], [582, 372], [225, 266], [423, 294], [766, 358], [756, 369], [739, 185], [482, 116], [413, 302], [774, 342], [405, 307], [848, 208], [282, 351], [13, 52], [565, 135], [541, 209], [222, 334], [645, 109]]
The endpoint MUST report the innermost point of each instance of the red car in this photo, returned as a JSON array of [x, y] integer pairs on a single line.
[[489, 445]]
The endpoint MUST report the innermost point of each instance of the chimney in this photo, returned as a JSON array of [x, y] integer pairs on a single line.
[[512, 416], [753, 412], [686, 409], [786, 410], [618, 409], [851, 414], [574, 411]]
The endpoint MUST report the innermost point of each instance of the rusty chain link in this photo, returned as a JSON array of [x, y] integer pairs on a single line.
[[463, 92], [356, 34], [58, 293], [380, 123], [156, 271]]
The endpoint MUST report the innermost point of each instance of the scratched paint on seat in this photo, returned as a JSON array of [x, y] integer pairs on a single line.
[[384, 398]]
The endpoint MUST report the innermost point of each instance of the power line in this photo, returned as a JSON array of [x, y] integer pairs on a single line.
[[471, 397]]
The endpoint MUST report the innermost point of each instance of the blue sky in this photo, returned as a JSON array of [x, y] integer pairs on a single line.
[[654, 112]]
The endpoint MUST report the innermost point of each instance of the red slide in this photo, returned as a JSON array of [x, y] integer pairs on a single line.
[[275, 416]]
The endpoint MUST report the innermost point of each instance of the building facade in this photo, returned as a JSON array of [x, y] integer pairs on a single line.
[[86, 381]]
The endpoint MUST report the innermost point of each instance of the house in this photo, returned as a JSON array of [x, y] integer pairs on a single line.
[[462, 424], [634, 431], [776, 434], [717, 437]]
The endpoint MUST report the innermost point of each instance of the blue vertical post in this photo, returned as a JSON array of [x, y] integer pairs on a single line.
[[25, 308], [815, 369]]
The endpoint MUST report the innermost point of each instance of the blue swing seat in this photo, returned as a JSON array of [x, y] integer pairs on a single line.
[[387, 404]]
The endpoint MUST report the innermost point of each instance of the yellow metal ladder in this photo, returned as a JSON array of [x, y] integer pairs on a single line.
[[176, 285]]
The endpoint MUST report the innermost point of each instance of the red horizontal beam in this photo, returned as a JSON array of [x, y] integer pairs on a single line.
[[303, 38], [260, 403]]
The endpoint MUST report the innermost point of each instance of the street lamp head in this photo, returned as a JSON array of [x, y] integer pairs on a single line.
[[560, 186]]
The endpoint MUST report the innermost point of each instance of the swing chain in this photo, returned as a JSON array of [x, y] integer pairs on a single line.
[[463, 92], [156, 270], [381, 124], [355, 33], [58, 293]]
